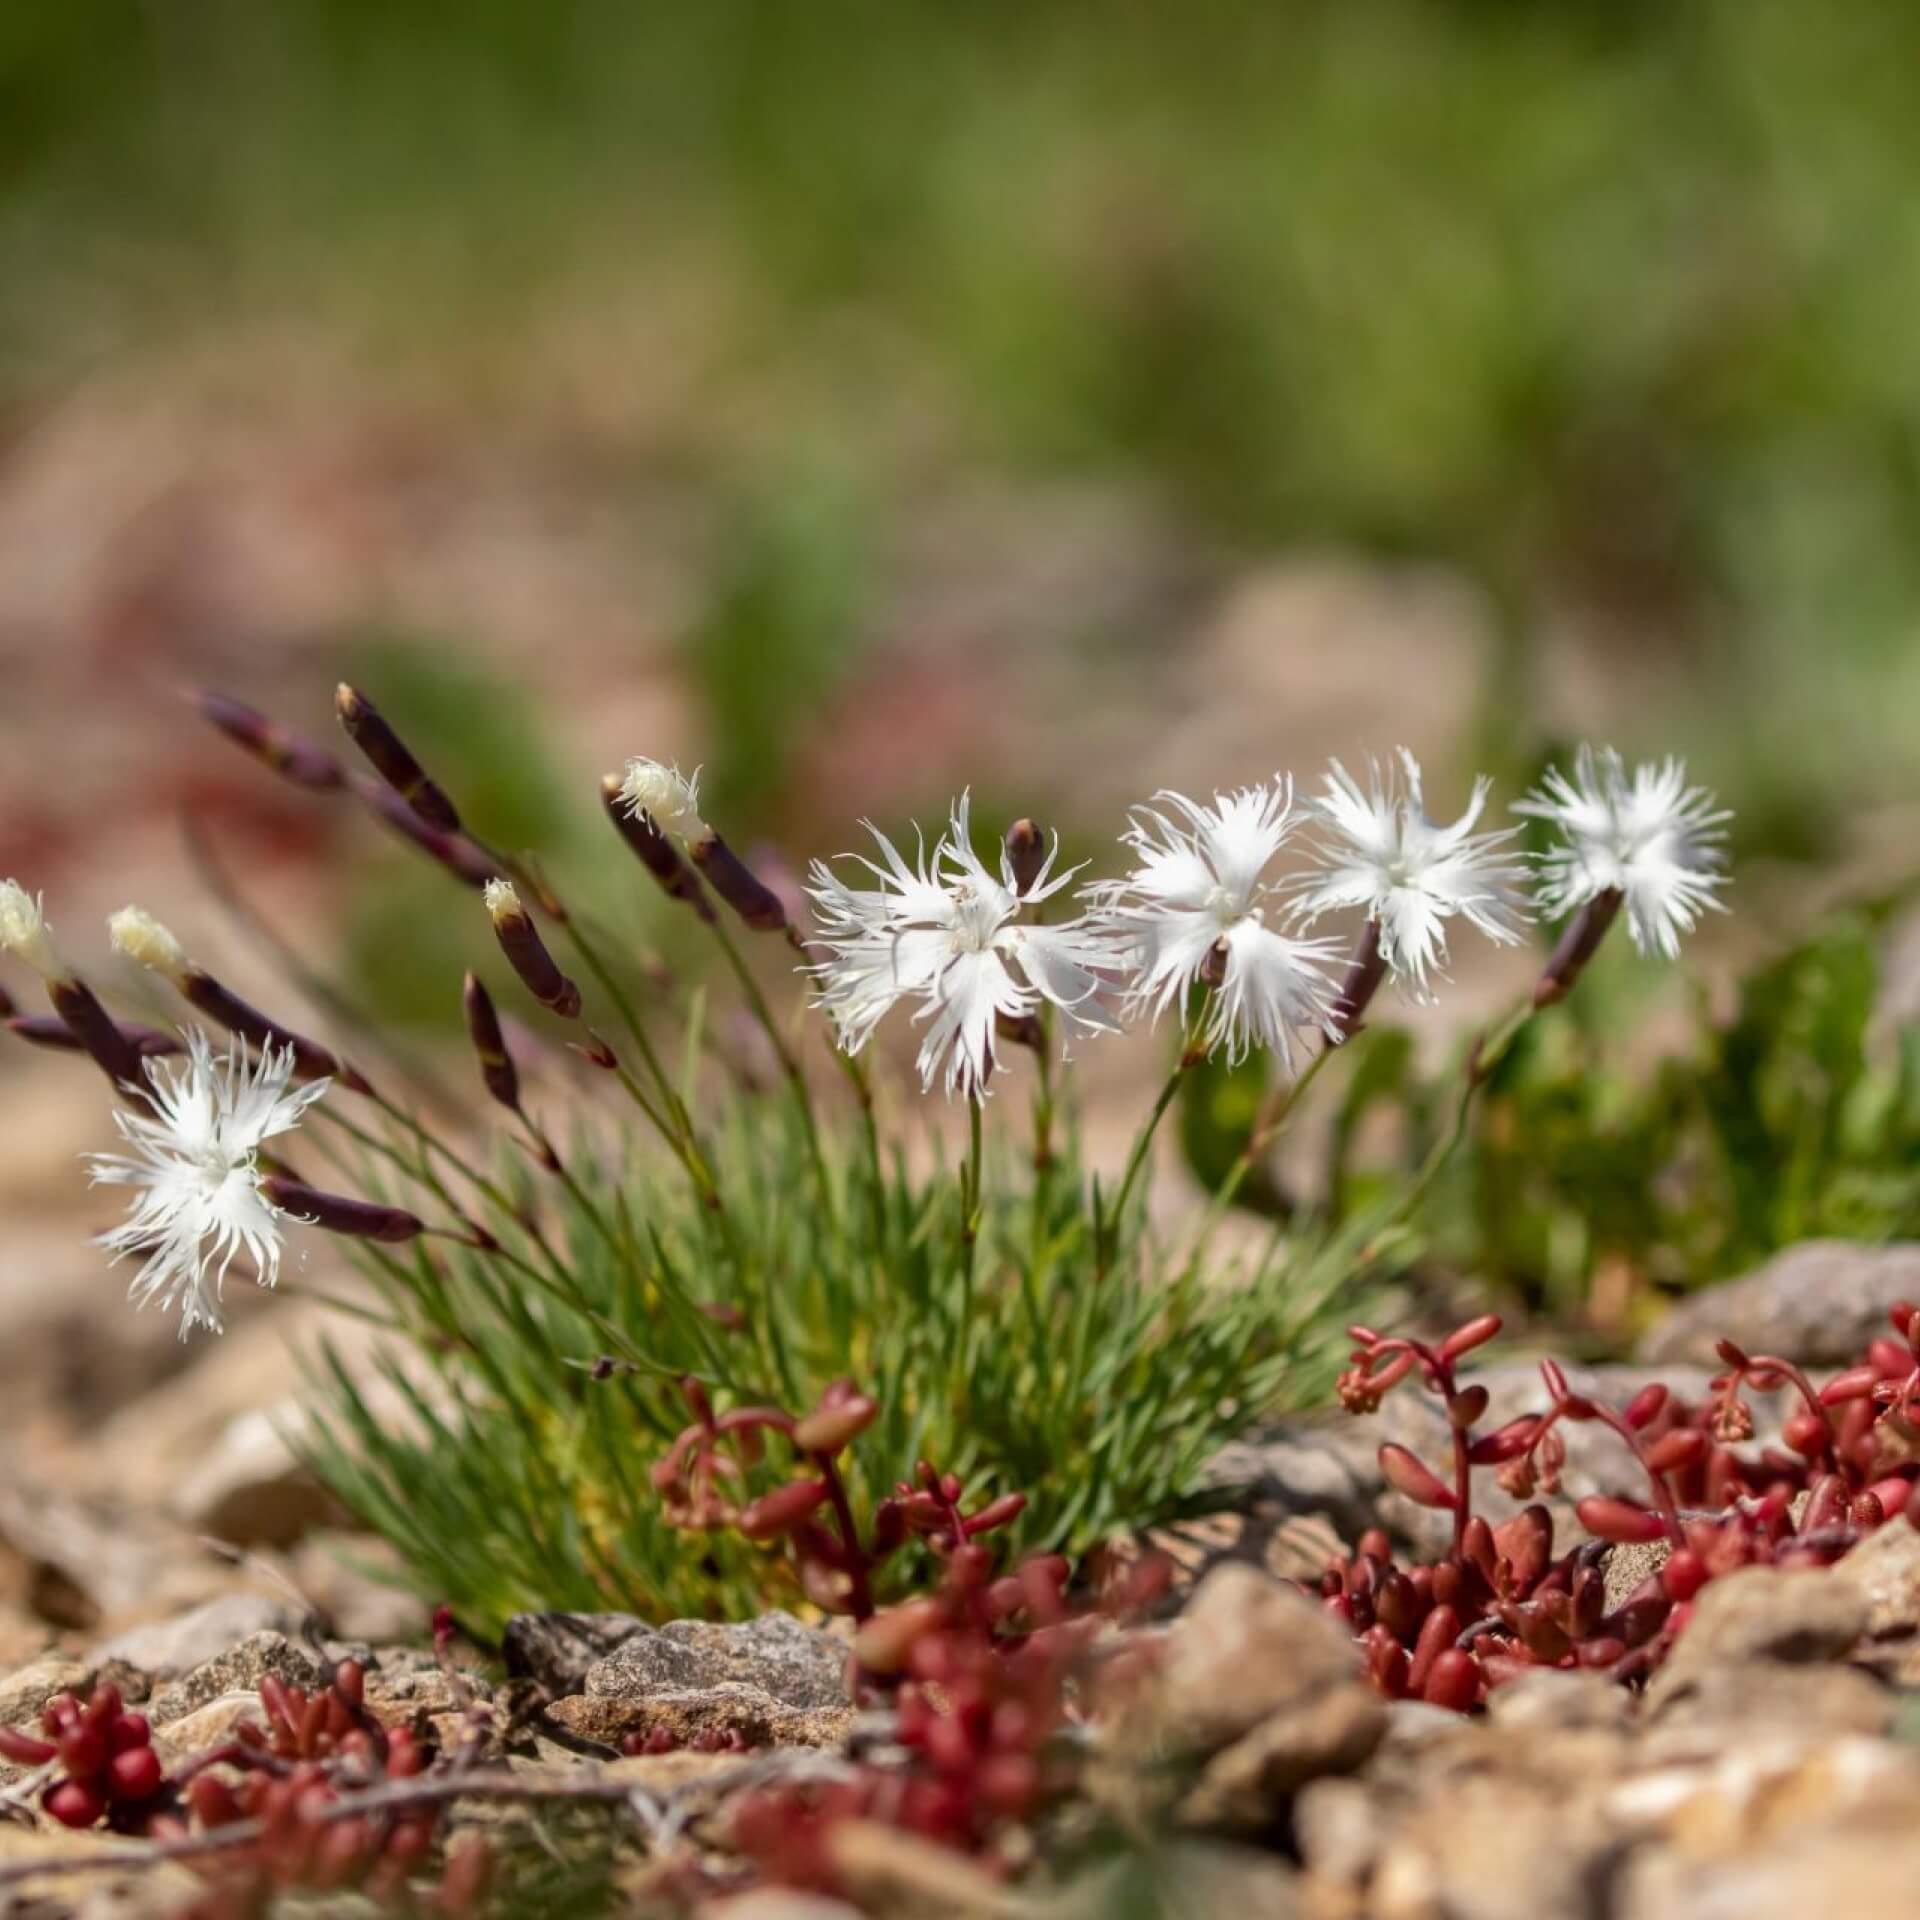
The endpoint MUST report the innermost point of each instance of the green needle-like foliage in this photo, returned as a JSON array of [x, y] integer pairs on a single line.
[[509, 1462]]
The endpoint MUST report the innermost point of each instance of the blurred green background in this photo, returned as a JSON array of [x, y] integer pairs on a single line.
[[1610, 307]]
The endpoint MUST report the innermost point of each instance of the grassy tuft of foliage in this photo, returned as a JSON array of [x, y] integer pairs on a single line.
[[509, 1476]]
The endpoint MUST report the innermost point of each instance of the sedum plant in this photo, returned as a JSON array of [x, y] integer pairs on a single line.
[[662, 1225]]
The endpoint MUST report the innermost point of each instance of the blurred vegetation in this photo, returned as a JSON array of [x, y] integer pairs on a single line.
[[1596, 1181], [1610, 305]]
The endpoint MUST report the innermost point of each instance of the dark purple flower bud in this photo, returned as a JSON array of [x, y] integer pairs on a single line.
[[520, 941], [389, 758], [300, 761], [1026, 854], [654, 849], [147, 943], [1365, 971], [502, 1077], [1021, 1030], [755, 902], [1213, 969], [458, 855], [336, 1213], [1578, 945], [45, 1030], [112, 1051]]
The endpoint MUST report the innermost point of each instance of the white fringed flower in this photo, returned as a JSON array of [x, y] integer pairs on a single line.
[[666, 796], [1410, 875], [946, 932], [1647, 836], [23, 930], [194, 1161], [1199, 887]]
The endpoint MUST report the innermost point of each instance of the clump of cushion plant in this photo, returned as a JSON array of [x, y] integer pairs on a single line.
[[662, 1207]]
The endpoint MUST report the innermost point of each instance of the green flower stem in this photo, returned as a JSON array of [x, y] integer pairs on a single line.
[[1190, 1057], [672, 1118], [1268, 1125], [1487, 1054], [789, 1062]]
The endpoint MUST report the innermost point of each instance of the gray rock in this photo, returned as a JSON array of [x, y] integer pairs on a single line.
[[1818, 1303], [1246, 1648], [1244, 1789], [557, 1649], [793, 1664], [25, 1693], [1629, 1566], [1556, 1700], [1884, 1569], [772, 1680], [165, 1649], [238, 1669], [1251, 1693], [1792, 1617], [1705, 1710]]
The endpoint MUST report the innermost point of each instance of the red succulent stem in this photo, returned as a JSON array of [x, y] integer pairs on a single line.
[[858, 1562], [1761, 1364], [1662, 1494], [1438, 1367]]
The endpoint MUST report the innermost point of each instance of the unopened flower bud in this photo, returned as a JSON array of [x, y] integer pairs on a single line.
[[389, 758], [520, 941], [102, 1037], [337, 1213], [653, 848], [729, 876], [1021, 1030], [1213, 969], [137, 934], [1365, 971], [497, 1070], [24, 932], [47, 1030], [1578, 945], [143, 940], [664, 794], [300, 761], [1026, 854], [458, 855]]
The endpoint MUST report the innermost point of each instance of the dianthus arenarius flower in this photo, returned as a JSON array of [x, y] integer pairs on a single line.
[[947, 932], [1648, 837], [1195, 909], [194, 1160], [1409, 875]]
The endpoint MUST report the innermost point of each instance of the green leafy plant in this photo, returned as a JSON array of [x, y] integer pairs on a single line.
[[1592, 1183], [515, 1478]]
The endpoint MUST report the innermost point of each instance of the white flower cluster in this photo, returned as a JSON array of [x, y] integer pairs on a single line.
[[1202, 907]]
